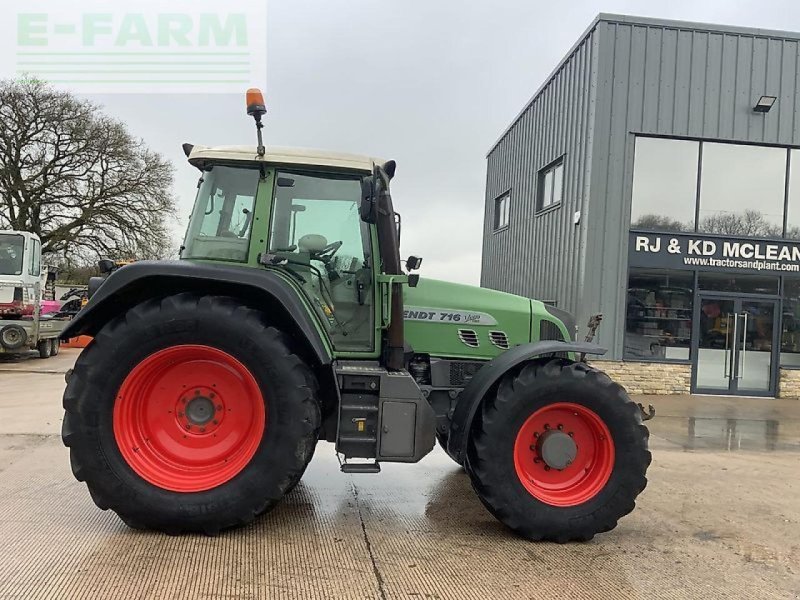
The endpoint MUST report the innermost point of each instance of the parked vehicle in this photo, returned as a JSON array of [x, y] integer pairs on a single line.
[[23, 326], [200, 401], [73, 300]]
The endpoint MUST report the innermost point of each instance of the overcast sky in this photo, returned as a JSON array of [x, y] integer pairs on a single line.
[[430, 83]]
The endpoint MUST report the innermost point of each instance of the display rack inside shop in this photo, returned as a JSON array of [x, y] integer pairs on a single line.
[[658, 318]]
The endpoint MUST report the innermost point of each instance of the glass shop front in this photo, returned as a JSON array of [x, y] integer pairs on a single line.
[[714, 262]]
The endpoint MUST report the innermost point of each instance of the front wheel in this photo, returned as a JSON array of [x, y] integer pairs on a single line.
[[190, 414], [559, 452]]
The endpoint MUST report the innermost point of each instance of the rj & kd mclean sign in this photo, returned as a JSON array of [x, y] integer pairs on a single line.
[[706, 253]]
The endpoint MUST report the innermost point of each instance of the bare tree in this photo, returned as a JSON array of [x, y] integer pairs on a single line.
[[78, 178], [660, 223], [749, 223]]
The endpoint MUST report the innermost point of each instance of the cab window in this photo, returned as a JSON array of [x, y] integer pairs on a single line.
[[222, 219], [35, 266], [317, 230], [11, 250]]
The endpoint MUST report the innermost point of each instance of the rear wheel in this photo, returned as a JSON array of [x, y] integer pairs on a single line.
[[190, 414], [559, 453], [56, 347], [45, 348]]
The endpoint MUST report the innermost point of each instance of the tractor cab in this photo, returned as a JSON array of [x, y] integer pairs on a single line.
[[295, 212], [312, 216]]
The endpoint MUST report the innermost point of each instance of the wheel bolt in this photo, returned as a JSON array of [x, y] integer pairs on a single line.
[[546, 468], [570, 434], [188, 427], [560, 427], [535, 434], [215, 422], [212, 395], [537, 460], [202, 430], [547, 427], [219, 406], [197, 392], [533, 447]]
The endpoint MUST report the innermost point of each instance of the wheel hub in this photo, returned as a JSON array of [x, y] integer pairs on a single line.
[[200, 410], [557, 449]]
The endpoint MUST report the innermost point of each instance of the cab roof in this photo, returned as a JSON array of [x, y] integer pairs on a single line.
[[199, 155], [28, 234]]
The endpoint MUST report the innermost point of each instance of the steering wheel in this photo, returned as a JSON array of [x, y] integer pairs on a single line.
[[328, 252]]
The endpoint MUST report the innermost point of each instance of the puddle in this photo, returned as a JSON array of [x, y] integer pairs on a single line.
[[729, 434]]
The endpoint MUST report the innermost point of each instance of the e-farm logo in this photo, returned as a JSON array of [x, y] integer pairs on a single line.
[[139, 46]]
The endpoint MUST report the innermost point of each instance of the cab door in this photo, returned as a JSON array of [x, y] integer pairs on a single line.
[[316, 227]]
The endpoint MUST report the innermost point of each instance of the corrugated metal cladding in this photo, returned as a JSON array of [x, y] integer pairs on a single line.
[[557, 123], [646, 76]]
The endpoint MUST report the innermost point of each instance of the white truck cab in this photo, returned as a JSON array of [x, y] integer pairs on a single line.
[[20, 272], [22, 281]]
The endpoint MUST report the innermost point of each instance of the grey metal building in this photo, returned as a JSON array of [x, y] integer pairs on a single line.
[[655, 177]]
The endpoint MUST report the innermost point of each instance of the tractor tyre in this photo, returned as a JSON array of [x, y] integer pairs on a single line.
[[56, 347], [190, 414], [558, 452], [45, 348]]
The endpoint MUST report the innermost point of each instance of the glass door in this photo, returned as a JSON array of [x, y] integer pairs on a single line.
[[713, 364], [735, 346], [755, 350]]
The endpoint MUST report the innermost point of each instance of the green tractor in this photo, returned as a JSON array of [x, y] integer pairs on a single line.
[[288, 320]]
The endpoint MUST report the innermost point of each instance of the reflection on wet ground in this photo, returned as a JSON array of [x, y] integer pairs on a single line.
[[727, 423], [705, 433]]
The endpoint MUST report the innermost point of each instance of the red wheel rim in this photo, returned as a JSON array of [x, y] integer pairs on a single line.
[[189, 418], [593, 461]]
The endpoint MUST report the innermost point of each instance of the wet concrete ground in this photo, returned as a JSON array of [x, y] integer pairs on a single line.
[[719, 519]]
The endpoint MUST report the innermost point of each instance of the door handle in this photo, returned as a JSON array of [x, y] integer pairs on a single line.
[[727, 367], [744, 345]]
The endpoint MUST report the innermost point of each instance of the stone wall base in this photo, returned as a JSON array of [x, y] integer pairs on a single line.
[[667, 378], [647, 377], [789, 384]]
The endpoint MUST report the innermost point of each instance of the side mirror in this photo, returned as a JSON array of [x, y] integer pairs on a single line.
[[367, 210], [106, 266], [413, 263]]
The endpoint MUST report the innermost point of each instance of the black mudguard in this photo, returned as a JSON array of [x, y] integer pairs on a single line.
[[142, 280], [471, 397]]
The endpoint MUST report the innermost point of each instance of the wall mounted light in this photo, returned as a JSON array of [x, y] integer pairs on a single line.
[[764, 104]]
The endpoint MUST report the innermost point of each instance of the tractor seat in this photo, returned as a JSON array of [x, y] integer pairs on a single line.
[[312, 243]]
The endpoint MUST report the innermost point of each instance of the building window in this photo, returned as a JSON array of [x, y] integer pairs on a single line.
[[790, 324], [742, 190], [658, 323], [793, 205], [502, 207], [664, 184], [740, 284], [551, 185]]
